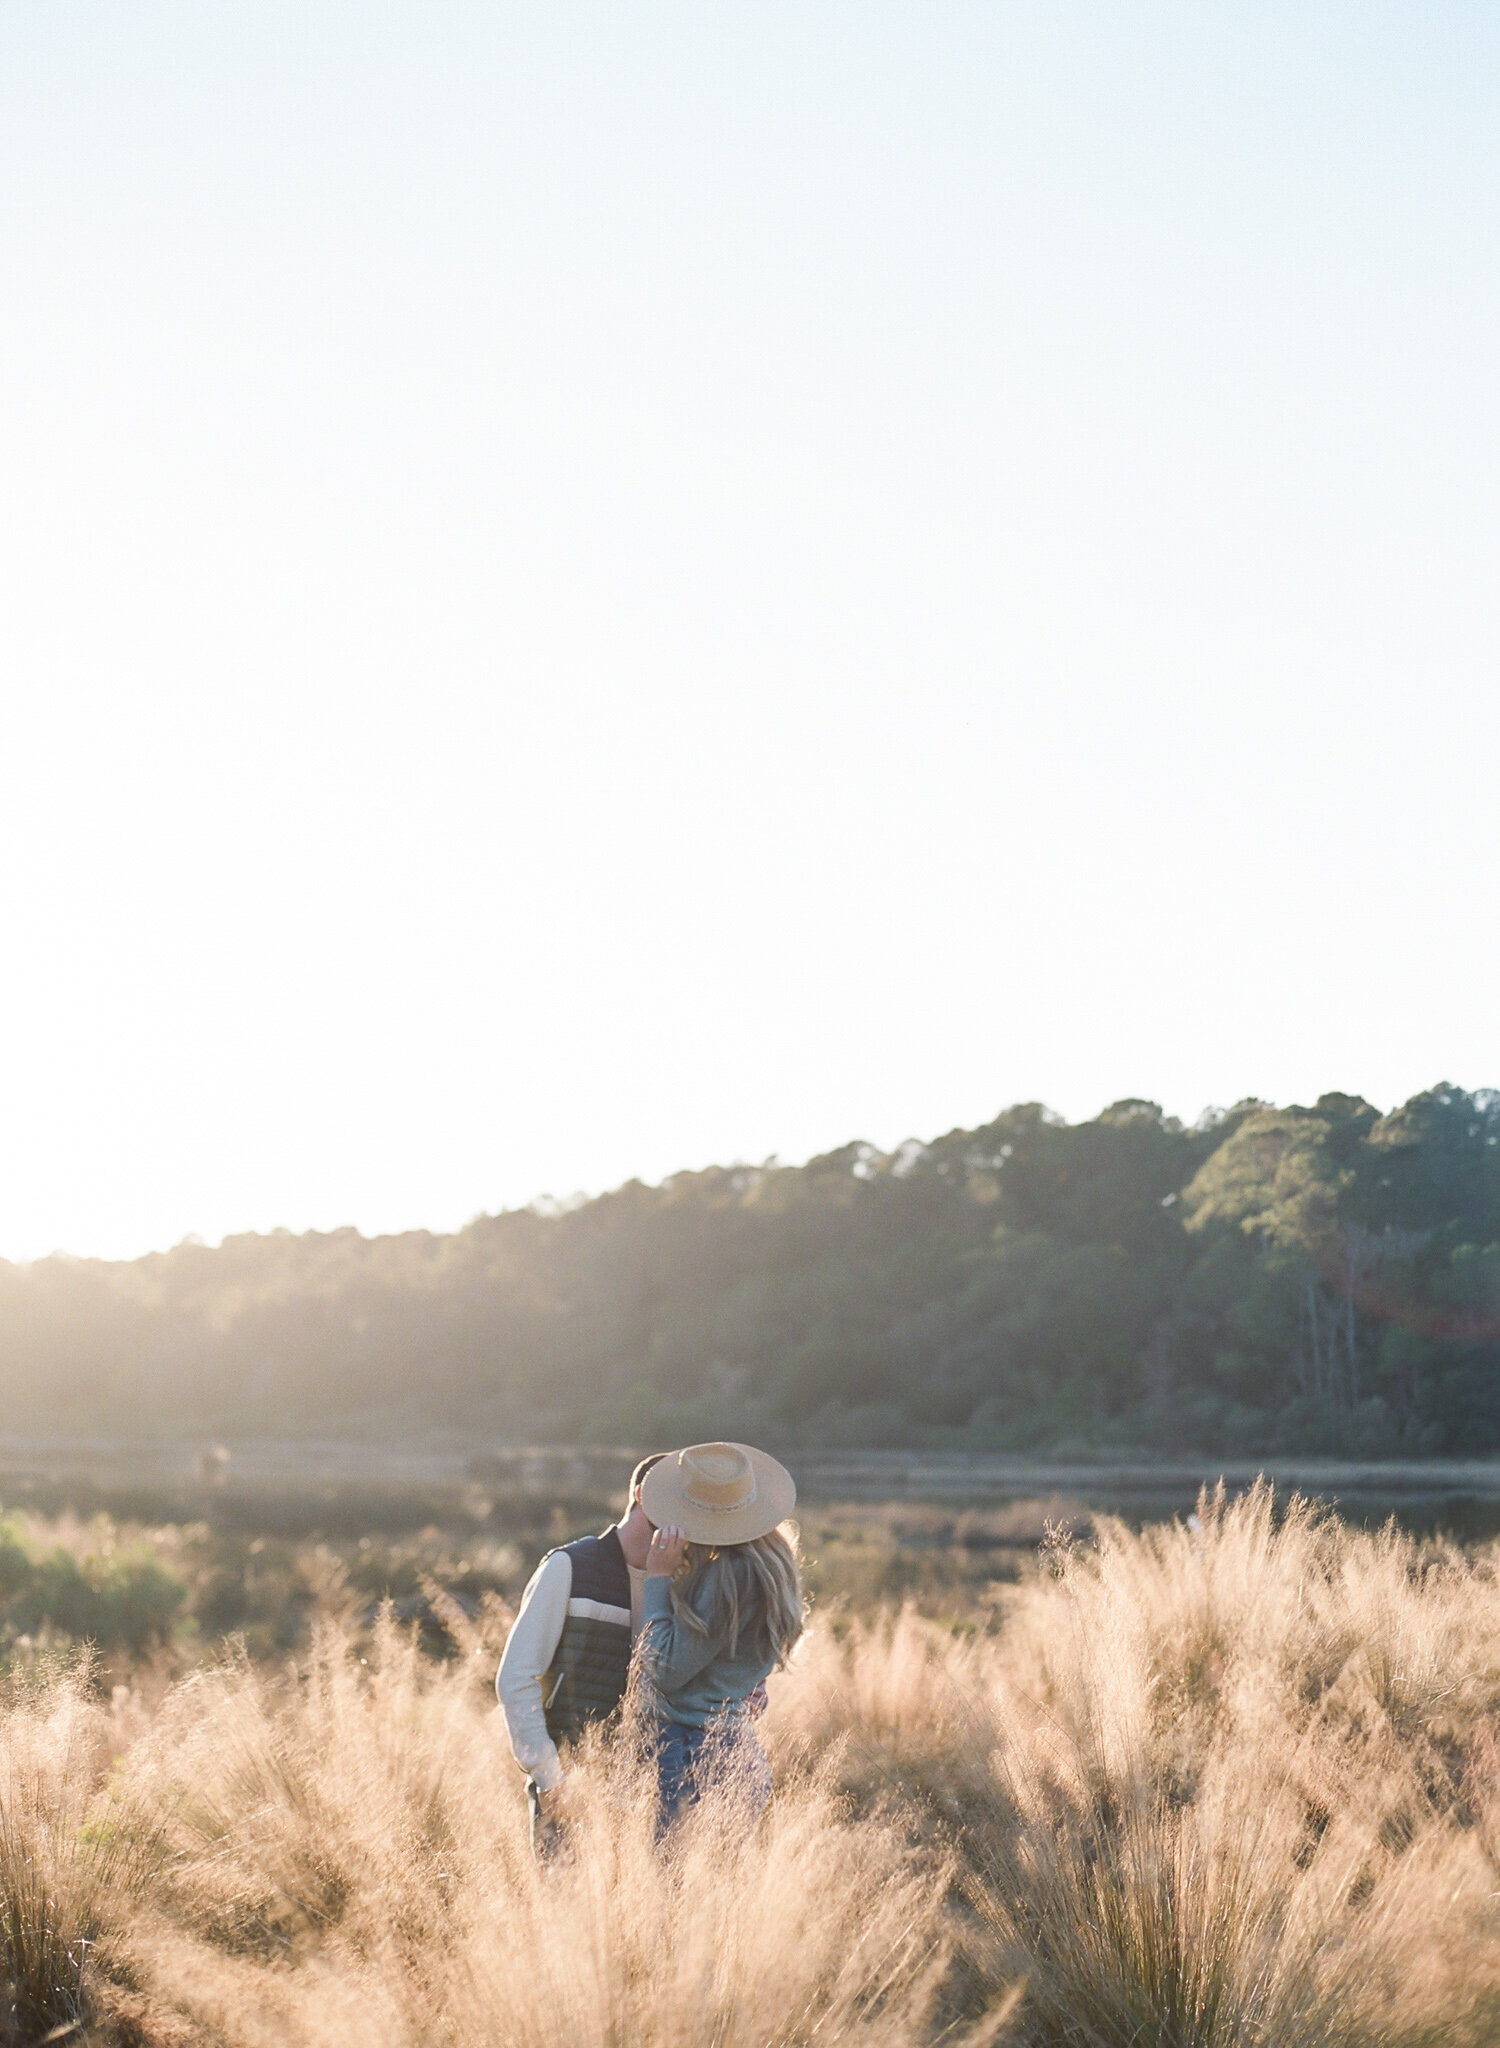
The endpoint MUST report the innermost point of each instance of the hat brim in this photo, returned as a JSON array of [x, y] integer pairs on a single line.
[[666, 1504]]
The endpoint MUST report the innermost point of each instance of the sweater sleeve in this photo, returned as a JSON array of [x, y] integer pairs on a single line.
[[529, 1650], [667, 1654]]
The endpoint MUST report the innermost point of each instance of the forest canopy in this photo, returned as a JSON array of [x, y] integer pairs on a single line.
[[1322, 1279]]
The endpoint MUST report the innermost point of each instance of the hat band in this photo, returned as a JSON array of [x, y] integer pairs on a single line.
[[720, 1507]]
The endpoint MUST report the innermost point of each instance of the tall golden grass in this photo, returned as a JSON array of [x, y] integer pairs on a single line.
[[1224, 1786], [1232, 1782]]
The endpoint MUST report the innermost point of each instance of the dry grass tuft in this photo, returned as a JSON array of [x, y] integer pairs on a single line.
[[59, 1874], [346, 1850], [1217, 1786], [1212, 1785]]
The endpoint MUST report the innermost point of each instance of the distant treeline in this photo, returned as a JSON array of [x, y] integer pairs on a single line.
[[1323, 1279]]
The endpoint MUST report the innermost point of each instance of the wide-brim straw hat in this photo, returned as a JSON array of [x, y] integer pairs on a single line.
[[718, 1493]]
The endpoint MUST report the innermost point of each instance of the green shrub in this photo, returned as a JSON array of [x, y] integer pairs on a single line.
[[117, 1599]]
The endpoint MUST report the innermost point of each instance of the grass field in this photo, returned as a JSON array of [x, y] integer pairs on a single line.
[[1236, 1783]]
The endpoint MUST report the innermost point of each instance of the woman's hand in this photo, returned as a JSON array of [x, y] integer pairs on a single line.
[[665, 1555]]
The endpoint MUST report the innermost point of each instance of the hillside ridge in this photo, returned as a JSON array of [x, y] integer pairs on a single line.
[[1320, 1279]]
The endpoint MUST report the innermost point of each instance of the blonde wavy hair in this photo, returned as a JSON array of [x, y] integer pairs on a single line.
[[744, 1589]]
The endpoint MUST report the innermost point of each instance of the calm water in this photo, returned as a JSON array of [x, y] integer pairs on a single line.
[[1461, 1498], [338, 1482]]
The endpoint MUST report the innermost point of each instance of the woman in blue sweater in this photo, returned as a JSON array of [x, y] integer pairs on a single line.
[[722, 1609]]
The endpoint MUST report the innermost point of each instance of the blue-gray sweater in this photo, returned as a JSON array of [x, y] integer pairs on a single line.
[[693, 1679]]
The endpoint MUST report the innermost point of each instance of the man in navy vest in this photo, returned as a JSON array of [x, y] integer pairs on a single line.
[[567, 1657]]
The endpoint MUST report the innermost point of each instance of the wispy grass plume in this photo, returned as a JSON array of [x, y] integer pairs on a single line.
[[1226, 1784]]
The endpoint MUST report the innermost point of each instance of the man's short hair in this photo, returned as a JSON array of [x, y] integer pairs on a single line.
[[651, 1458]]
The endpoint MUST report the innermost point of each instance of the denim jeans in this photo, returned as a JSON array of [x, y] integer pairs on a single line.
[[726, 1760]]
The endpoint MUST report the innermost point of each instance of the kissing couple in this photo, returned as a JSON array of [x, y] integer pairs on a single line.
[[678, 1614]]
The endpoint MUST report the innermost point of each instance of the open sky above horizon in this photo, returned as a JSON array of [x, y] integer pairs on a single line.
[[593, 589]]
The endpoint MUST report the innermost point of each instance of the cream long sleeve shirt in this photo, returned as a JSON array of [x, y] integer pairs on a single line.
[[529, 1650]]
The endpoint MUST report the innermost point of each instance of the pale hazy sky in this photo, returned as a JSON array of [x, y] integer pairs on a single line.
[[587, 589]]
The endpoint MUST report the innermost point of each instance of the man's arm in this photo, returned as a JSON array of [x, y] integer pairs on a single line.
[[529, 1650]]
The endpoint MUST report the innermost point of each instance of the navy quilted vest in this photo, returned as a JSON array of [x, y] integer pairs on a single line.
[[586, 1680]]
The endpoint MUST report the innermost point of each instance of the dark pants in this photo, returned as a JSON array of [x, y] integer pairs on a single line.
[[726, 1761]]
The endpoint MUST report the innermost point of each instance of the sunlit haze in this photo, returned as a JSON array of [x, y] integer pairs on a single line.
[[591, 589]]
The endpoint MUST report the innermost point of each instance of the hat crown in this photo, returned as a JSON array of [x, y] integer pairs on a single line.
[[718, 1493], [718, 1477]]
